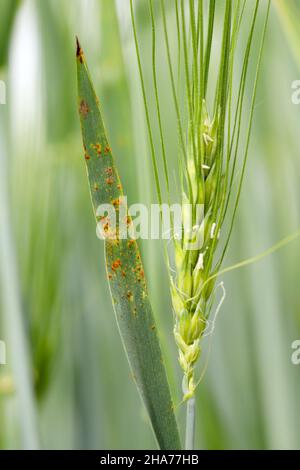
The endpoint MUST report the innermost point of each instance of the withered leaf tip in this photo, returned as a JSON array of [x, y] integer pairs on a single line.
[[79, 51]]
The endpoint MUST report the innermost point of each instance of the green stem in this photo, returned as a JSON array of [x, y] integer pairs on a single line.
[[190, 424]]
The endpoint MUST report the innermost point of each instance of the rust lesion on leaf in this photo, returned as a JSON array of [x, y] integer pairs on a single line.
[[109, 181], [130, 243], [116, 203], [98, 148], [84, 108], [116, 264], [109, 171]]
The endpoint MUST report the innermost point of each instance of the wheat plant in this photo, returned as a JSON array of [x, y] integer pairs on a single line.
[[214, 123], [214, 128]]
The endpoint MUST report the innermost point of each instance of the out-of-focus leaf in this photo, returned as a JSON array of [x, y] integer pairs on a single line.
[[289, 14], [7, 13], [55, 39], [125, 272]]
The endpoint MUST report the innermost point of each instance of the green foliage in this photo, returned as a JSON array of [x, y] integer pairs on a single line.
[[8, 12], [53, 236]]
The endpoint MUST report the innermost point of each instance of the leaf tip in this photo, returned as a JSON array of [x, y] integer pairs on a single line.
[[79, 51]]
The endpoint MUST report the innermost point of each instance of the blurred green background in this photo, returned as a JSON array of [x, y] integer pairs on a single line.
[[67, 383]]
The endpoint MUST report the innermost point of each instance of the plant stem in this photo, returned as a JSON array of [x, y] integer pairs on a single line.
[[190, 424]]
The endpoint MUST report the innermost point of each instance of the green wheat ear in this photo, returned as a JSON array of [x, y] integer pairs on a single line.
[[125, 271]]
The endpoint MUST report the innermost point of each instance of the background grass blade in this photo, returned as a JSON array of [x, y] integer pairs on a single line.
[[18, 372], [14, 327], [125, 273], [288, 14], [8, 12]]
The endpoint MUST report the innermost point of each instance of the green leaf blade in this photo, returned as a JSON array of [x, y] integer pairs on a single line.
[[125, 272]]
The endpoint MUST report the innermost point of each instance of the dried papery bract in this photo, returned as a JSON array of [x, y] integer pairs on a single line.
[[212, 153]]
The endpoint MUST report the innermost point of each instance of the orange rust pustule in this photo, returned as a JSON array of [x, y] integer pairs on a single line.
[[98, 148], [83, 108], [116, 264], [87, 157], [109, 181], [116, 203], [107, 150]]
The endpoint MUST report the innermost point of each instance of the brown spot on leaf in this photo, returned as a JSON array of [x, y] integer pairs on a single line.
[[83, 108], [129, 296], [109, 171]]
